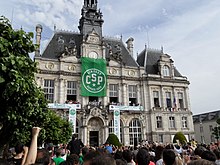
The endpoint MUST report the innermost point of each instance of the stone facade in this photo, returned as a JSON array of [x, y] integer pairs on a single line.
[[204, 124], [152, 95]]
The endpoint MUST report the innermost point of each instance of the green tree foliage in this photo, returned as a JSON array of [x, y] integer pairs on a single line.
[[179, 136], [22, 103], [57, 130], [113, 139], [216, 130]]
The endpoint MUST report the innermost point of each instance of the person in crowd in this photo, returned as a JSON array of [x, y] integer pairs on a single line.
[[169, 157], [209, 155], [158, 155], [104, 159], [43, 157], [118, 155], [217, 153], [128, 156], [58, 159], [143, 157], [84, 151], [199, 150], [108, 147], [200, 162], [75, 145], [90, 156], [120, 162], [71, 160], [4, 162], [21, 154]]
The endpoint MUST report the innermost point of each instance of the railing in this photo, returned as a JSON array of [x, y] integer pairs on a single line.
[[126, 108], [63, 106]]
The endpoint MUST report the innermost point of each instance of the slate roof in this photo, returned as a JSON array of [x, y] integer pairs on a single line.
[[53, 51], [152, 57], [127, 59], [209, 116]]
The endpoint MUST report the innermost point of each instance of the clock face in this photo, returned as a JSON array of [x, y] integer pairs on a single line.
[[93, 55]]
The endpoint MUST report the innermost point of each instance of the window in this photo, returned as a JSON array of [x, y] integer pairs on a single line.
[[72, 90], [160, 138], [201, 128], [159, 121], [132, 92], [134, 132], [184, 122], [210, 128], [166, 70], [172, 122], [180, 100], [113, 93], [111, 129], [156, 99], [168, 99], [49, 90]]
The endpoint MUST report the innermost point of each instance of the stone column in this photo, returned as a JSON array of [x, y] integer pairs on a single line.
[[186, 98], [84, 135], [126, 136], [161, 97], [139, 94], [56, 90], [124, 92], [62, 90]]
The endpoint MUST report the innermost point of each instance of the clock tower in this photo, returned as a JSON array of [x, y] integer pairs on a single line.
[[91, 18]]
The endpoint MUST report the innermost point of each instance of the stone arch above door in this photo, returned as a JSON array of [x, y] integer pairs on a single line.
[[96, 131]]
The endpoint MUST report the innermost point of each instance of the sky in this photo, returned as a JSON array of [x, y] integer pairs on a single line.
[[188, 30]]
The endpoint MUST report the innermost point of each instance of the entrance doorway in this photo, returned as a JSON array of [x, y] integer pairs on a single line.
[[94, 138]]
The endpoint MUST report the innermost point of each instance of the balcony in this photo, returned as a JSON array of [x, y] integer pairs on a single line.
[[64, 106], [126, 108]]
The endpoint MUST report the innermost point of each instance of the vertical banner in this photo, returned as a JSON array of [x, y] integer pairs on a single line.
[[117, 123], [72, 118], [94, 77]]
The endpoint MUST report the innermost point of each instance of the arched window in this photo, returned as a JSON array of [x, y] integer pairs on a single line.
[[111, 129], [135, 132], [166, 70]]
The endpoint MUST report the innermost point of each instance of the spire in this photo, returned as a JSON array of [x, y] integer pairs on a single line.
[[91, 18], [90, 4]]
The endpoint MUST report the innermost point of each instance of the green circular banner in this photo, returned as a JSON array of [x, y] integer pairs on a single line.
[[72, 111], [117, 112], [94, 80]]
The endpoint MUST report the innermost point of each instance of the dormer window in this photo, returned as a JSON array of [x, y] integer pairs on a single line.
[[166, 70]]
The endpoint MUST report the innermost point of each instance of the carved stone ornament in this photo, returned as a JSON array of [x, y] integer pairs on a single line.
[[96, 112], [49, 65], [112, 71], [71, 67], [131, 73]]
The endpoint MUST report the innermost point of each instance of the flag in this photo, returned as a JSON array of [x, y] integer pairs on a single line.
[[94, 77]]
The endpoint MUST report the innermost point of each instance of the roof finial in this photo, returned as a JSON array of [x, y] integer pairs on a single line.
[[161, 48], [54, 27], [121, 37]]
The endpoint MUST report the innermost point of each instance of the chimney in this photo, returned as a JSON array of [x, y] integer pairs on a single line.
[[38, 38], [130, 45]]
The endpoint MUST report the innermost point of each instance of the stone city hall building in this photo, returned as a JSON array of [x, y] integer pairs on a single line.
[[99, 75]]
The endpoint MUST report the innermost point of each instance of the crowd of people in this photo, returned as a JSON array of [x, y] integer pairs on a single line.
[[147, 153]]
